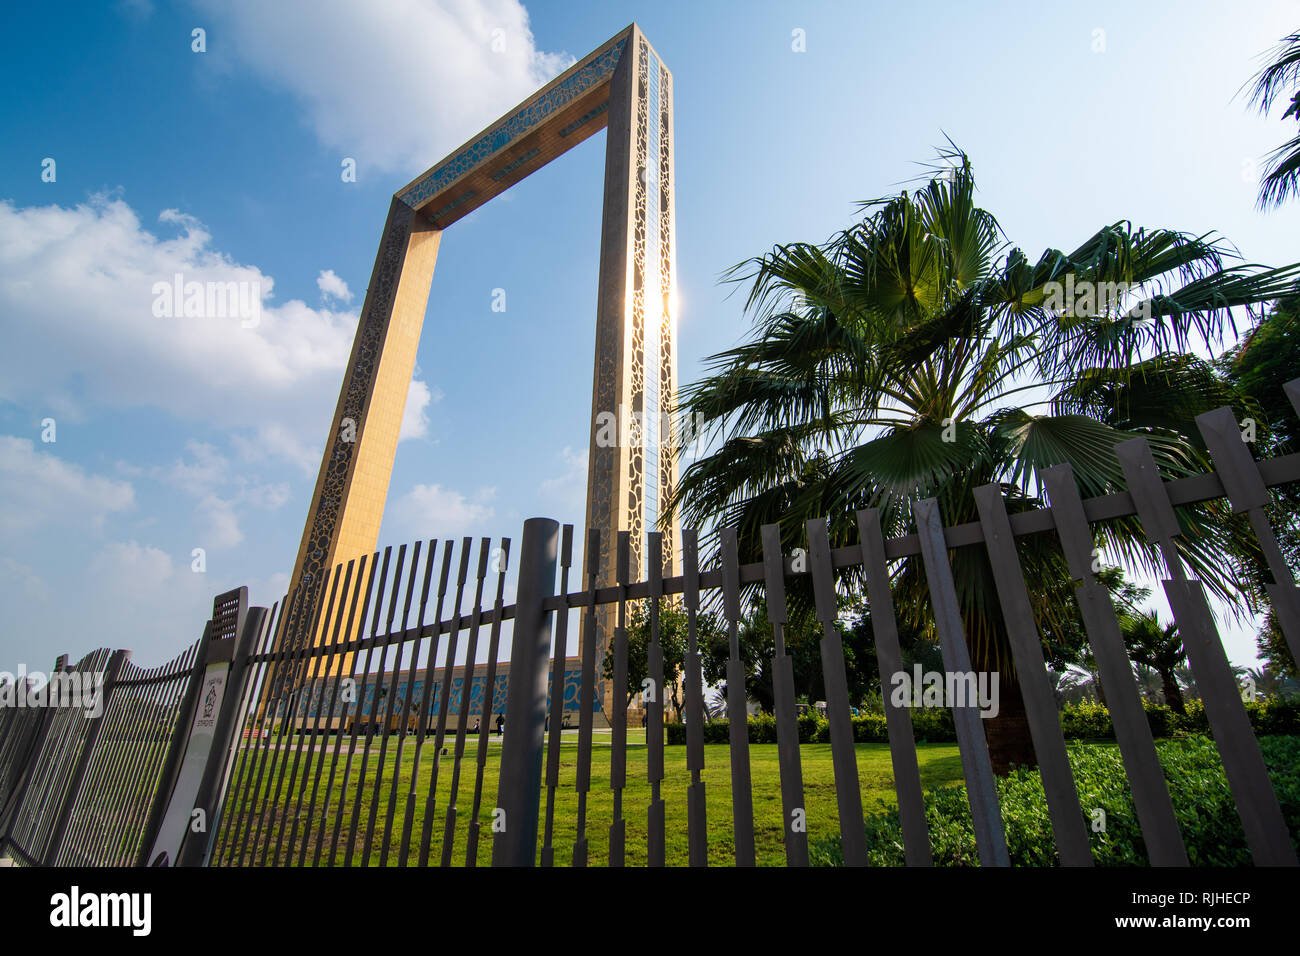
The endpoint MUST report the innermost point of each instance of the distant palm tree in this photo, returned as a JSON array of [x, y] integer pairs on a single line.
[[918, 354], [1280, 80], [1265, 681], [1074, 684], [1149, 682], [1192, 690], [1159, 648], [715, 706]]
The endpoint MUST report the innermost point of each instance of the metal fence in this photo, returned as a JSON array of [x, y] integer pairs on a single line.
[[360, 731], [91, 780]]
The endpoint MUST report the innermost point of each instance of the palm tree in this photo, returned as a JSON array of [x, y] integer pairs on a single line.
[[1280, 79], [1159, 648], [715, 706], [1074, 684], [1148, 682], [918, 354], [1270, 683]]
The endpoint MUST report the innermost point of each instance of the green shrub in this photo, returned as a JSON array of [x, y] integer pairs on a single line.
[[762, 729], [1194, 721], [870, 728], [1086, 720], [1278, 715], [932, 725], [1202, 802]]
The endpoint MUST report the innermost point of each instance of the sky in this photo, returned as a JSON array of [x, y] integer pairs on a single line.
[[128, 156]]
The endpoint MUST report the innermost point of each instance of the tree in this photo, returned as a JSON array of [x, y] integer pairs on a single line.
[[1065, 639], [803, 635], [1267, 358], [1259, 366], [918, 354], [1280, 81], [1271, 645], [1270, 684], [1158, 647], [673, 642]]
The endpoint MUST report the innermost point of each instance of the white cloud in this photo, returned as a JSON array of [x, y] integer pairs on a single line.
[[39, 488], [415, 421], [85, 277], [273, 440], [32, 584], [207, 470], [428, 511], [332, 287], [395, 84], [219, 524], [132, 568], [202, 476], [114, 586]]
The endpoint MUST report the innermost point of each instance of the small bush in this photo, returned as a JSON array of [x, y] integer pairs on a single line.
[[1278, 715], [1202, 802], [1086, 720]]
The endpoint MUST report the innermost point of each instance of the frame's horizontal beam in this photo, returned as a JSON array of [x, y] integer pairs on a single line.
[[548, 124]]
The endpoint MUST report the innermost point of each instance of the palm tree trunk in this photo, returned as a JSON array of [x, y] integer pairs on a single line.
[[1009, 740], [1173, 693]]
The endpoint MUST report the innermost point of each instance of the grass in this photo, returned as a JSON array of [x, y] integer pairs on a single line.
[[267, 825]]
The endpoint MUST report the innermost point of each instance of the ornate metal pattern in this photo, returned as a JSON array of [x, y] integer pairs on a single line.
[[512, 127], [636, 455], [667, 449], [356, 392]]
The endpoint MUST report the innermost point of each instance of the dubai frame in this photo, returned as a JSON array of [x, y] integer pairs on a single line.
[[622, 86]]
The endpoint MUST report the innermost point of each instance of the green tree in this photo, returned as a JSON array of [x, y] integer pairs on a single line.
[[803, 635], [918, 354], [1158, 647], [673, 642], [1271, 645], [1267, 358], [1279, 81]]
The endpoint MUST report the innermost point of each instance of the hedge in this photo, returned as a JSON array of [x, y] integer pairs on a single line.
[[1091, 721], [1083, 721], [934, 725], [1203, 804]]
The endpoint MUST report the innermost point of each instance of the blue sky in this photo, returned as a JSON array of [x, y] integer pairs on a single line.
[[175, 434]]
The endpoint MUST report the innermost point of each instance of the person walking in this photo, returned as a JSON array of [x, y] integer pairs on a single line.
[[501, 724]]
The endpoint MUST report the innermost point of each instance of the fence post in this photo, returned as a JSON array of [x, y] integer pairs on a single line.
[[175, 749], [115, 665], [212, 788], [204, 748], [520, 787]]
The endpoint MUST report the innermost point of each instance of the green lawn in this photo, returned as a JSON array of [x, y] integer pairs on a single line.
[[940, 766]]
